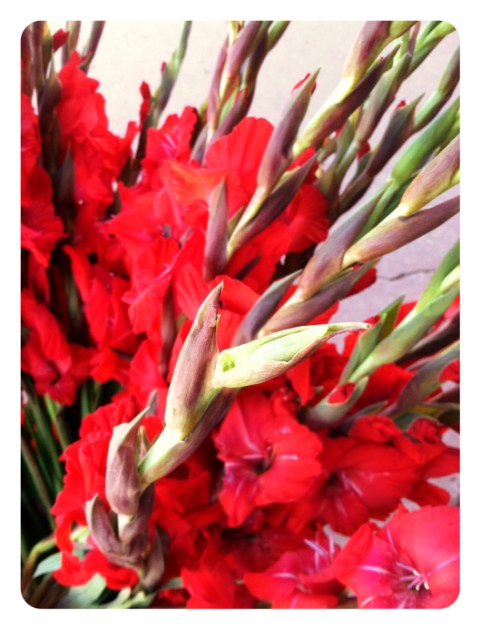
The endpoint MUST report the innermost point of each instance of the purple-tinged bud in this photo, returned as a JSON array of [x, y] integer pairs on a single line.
[[274, 205], [215, 257], [92, 45], [214, 101], [28, 80], [398, 130], [234, 115], [131, 528], [301, 312], [190, 393], [439, 175], [371, 40], [393, 233], [237, 55], [380, 99], [122, 483], [104, 536], [155, 564], [190, 390], [342, 103], [326, 261], [263, 309], [278, 154]]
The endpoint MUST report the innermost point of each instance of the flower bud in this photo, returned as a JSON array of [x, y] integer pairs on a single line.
[[272, 207], [393, 233], [215, 257], [442, 93], [104, 536], [371, 39], [238, 53], [270, 356], [278, 153], [424, 144], [122, 483], [439, 175], [326, 261], [298, 311], [190, 390], [340, 105], [263, 309]]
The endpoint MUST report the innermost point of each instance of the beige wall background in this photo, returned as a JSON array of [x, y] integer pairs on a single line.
[[132, 52]]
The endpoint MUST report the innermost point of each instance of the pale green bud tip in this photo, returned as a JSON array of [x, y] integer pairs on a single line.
[[270, 356]]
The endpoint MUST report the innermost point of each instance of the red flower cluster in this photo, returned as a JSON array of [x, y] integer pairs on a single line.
[[256, 516]]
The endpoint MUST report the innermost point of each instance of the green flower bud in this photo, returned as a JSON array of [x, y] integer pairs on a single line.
[[270, 356]]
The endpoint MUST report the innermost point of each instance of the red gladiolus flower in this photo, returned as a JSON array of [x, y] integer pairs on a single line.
[[267, 458], [424, 445], [41, 228], [57, 367], [299, 579], [360, 480], [412, 562], [213, 584]]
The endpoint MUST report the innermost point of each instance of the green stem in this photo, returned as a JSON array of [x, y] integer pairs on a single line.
[[36, 552], [56, 418], [37, 481], [46, 435]]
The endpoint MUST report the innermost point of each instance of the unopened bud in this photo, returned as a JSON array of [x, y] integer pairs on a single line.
[[439, 175], [371, 40], [340, 105], [274, 205], [278, 153], [215, 257], [393, 233], [190, 390], [424, 144], [104, 536], [298, 312], [155, 563], [442, 93], [122, 483], [237, 55], [270, 356]]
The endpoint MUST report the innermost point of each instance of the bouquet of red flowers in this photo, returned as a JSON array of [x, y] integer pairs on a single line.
[[198, 427]]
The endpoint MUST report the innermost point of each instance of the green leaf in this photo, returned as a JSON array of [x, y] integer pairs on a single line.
[[125, 600], [84, 596], [371, 338], [449, 262], [48, 565], [406, 335], [326, 413]]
